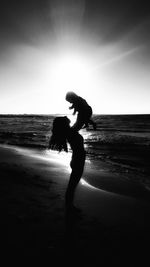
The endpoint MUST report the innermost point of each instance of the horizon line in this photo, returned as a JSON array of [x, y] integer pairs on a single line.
[[56, 114]]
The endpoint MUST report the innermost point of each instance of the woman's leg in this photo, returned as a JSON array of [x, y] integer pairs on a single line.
[[73, 182]]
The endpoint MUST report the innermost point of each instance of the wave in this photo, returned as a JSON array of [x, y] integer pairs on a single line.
[[122, 141]]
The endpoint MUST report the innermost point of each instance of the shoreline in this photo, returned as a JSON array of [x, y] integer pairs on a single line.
[[97, 174], [33, 212]]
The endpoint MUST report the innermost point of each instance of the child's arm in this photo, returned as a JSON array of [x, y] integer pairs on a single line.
[[72, 106], [74, 112]]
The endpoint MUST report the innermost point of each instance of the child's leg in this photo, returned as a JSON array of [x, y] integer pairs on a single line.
[[86, 116], [92, 123], [88, 120]]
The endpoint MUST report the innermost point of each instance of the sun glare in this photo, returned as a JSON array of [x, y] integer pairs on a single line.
[[70, 72]]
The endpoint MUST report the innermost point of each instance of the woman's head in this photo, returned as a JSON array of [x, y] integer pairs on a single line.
[[71, 96], [58, 140]]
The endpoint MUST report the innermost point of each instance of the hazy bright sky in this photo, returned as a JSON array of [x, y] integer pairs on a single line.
[[98, 49]]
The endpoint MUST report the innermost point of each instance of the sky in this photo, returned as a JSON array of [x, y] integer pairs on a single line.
[[98, 49]]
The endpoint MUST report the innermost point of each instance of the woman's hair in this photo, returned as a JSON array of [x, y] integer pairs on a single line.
[[58, 140]]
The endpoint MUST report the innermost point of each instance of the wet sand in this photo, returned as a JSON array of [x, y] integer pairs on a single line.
[[112, 227]]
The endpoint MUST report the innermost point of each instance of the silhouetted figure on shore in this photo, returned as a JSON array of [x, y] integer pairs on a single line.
[[62, 134], [84, 111]]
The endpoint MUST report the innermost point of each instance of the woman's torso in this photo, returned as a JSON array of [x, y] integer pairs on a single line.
[[77, 145]]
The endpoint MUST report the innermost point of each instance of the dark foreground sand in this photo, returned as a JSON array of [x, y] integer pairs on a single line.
[[110, 229]]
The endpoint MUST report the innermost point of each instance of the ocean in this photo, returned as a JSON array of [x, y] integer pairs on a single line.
[[122, 141]]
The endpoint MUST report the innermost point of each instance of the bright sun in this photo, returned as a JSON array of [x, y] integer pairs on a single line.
[[70, 72]]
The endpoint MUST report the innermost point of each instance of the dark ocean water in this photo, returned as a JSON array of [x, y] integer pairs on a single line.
[[123, 141]]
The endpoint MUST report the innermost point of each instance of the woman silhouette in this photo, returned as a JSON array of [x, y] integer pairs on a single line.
[[62, 134]]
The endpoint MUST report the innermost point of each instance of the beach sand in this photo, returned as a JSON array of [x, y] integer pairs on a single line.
[[112, 227]]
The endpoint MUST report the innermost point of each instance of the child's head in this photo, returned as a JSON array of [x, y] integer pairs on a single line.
[[71, 96], [58, 140]]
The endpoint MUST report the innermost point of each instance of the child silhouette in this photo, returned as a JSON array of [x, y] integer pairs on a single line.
[[84, 111]]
